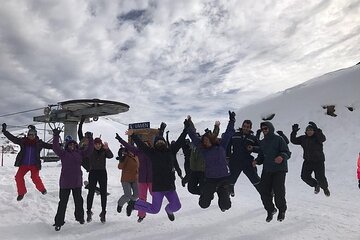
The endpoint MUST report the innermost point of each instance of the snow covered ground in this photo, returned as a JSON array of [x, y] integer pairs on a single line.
[[309, 216]]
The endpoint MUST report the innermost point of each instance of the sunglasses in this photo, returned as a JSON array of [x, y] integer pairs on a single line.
[[264, 128]]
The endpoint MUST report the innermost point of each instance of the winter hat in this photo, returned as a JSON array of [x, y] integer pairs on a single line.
[[71, 141], [97, 140], [309, 127], [158, 138], [68, 138], [32, 131]]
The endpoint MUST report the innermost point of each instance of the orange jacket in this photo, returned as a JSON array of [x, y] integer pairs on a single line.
[[130, 168]]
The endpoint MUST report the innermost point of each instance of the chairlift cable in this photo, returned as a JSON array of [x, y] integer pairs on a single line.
[[31, 110]]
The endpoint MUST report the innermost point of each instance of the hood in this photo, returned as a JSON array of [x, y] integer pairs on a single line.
[[269, 125]]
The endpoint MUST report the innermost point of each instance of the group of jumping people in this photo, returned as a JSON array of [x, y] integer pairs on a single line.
[[212, 165]]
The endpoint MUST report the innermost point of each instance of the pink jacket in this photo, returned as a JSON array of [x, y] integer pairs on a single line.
[[358, 169]]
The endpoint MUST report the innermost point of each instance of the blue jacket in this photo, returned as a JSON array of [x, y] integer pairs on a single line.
[[237, 149]]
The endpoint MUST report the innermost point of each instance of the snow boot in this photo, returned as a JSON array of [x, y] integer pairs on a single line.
[[270, 215], [231, 190], [119, 208], [20, 197], [43, 192], [81, 221], [89, 216], [130, 207], [57, 227], [281, 216], [171, 216], [140, 219], [102, 216], [327, 192], [317, 189]]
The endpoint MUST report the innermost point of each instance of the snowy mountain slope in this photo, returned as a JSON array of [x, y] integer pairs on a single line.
[[309, 216]]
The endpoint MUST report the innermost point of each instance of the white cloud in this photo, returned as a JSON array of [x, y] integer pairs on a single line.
[[168, 58]]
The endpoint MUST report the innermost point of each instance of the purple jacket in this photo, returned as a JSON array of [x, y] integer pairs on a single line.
[[26, 151], [215, 157], [145, 166], [71, 174]]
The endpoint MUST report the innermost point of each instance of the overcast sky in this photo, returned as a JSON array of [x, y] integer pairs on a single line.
[[168, 59]]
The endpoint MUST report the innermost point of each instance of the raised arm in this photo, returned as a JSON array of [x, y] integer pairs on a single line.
[[295, 140], [56, 145], [140, 144], [180, 141], [230, 130], [216, 129], [108, 152], [190, 128], [127, 145], [90, 148], [80, 132], [9, 136], [282, 134]]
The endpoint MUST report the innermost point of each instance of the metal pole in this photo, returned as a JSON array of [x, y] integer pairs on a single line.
[[44, 139], [2, 156]]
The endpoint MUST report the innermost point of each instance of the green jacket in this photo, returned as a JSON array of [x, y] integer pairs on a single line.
[[271, 147]]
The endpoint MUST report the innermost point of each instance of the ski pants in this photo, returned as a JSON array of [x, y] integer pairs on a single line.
[[249, 171], [157, 197], [64, 198], [143, 189], [319, 169], [35, 177], [97, 176], [273, 181], [221, 187], [131, 192], [196, 182]]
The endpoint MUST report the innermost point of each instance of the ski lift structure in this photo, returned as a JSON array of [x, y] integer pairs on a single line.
[[69, 114]]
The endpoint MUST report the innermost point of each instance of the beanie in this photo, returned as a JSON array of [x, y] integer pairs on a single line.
[[97, 140]]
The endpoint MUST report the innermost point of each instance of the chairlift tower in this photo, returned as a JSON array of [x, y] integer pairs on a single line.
[[70, 112]]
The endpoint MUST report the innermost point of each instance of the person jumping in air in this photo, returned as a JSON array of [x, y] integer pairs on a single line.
[[163, 171], [314, 158], [28, 159], [216, 167], [71, 177]]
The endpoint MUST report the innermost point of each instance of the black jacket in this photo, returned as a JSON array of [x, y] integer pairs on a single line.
[[237, 148], [312, 146], [162, 163]]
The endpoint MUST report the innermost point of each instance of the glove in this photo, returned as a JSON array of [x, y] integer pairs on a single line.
[[186, 123], [232, 116], [295, 127], [118, 137], [4, 127], [56, 131], [162, 126], [89, 135], [207, 130], [313, 125]]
